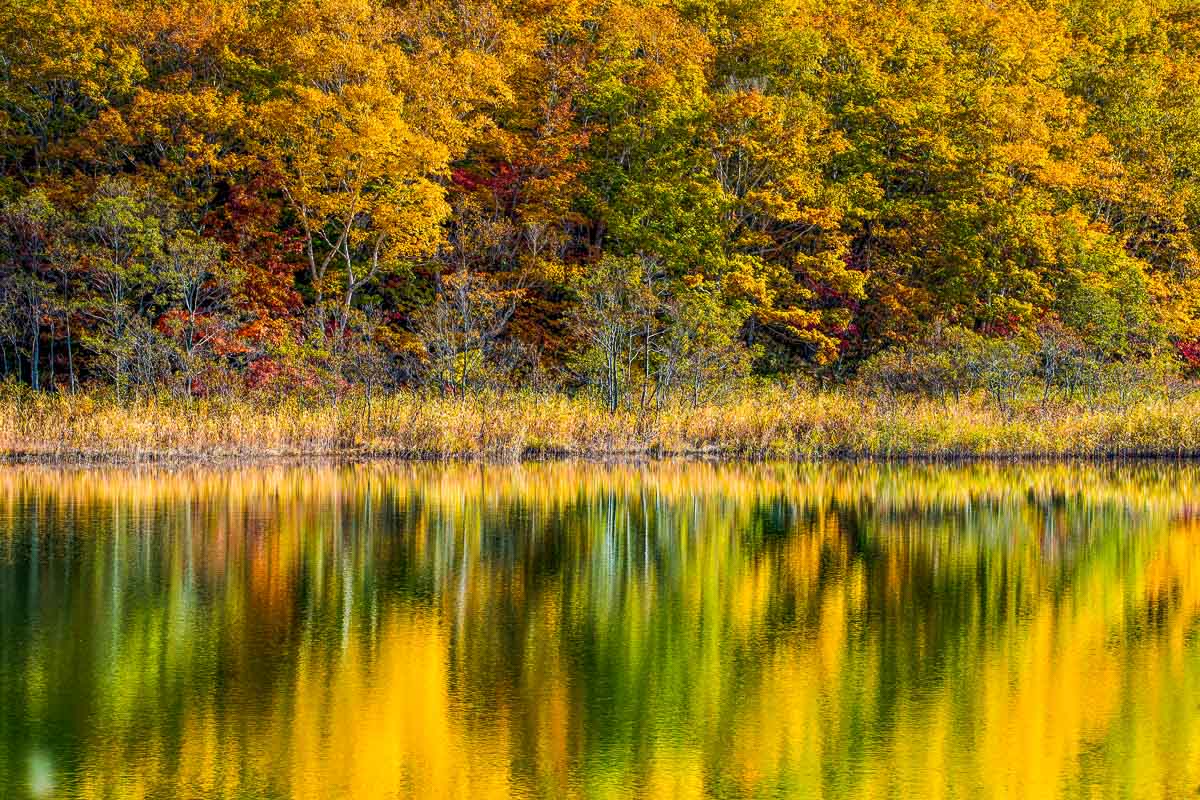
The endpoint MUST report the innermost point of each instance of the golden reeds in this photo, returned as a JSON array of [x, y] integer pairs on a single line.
[[765, 423]]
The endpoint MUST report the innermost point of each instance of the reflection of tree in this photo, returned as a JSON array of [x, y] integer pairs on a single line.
[[577, 630]]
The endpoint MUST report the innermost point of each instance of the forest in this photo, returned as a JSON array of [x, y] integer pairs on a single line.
[[641, 203]]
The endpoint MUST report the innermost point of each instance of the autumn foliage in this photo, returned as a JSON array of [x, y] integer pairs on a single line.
[[636, 196]]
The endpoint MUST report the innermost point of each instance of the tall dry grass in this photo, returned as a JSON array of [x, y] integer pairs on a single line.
[[764, 423]]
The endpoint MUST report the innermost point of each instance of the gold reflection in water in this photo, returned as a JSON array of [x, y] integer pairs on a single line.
[[585, 630]]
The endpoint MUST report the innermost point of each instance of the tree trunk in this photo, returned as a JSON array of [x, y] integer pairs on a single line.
[[34, 357], [368, 433], [51, 360], [70, 355], [645, 365]]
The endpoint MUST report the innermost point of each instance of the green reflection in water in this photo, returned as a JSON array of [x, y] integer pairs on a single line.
[[575, 630]]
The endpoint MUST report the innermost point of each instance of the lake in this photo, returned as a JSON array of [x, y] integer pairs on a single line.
[[589, 630]]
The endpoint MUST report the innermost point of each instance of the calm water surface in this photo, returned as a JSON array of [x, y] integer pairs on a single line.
[[585, 631]]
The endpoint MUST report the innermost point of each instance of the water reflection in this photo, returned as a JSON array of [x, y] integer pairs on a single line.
[[593, 631]]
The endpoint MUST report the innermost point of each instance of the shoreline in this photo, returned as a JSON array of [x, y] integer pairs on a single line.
[[115, 457]]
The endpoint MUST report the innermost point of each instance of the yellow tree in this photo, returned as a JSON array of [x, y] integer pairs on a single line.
[[59, 66], [345, 139]]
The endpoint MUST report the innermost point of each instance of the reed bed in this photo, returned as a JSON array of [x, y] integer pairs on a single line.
[[771, 423]]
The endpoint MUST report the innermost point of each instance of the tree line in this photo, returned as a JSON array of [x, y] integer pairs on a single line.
[[642, 198]]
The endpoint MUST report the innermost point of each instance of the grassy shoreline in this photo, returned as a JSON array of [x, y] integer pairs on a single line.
[[774, 423]]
